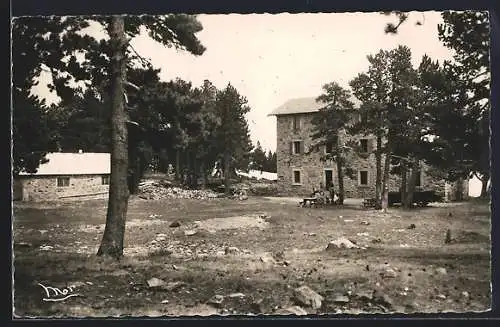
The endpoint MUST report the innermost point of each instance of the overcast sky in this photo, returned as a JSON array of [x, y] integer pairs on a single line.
[[273, 58]]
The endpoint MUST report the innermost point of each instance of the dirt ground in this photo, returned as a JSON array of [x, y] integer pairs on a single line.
[[250, 256]]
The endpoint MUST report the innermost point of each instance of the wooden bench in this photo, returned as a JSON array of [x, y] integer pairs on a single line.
[[370, 203]]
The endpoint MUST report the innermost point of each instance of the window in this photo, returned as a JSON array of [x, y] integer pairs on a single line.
[[363, 178], [62, 181], [297, 147], [331, 144], [296, 122], [105, 180], [364, 145], [296, 177]]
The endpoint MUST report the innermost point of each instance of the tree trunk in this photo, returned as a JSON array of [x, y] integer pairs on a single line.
[[404, 183], [177, 164], [227, 173], [112, 240], [484, 186], [408, 200], [384, 203], [204, 173], [378, 174], [340, 175]]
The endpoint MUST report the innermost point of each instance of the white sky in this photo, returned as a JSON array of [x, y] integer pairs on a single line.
[[271, 58]]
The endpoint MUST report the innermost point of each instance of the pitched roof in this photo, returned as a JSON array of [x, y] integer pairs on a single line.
[[302, 105], [74, 164]]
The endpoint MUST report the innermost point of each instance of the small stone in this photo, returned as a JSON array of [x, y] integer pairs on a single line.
[[175, 224], [341, 299], [190, 232], [412, 226], [465, 294], [389, 273], [341, 243], [173, 286], [236, 295], [306, 296], [286, 263], [377, 240], [441, 296], [155, 282], [364, 222], [382, 299], [216, 300], [231, 250], [294, 310], [164, 301], [441, 271]]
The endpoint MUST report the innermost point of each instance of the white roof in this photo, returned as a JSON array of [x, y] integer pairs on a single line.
[[303, 105], [74, 164]]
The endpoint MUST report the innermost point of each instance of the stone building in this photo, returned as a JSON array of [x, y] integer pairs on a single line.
[[65, 175], [300, 170]]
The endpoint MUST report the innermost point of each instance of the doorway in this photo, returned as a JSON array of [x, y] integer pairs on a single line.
[[328, 178]]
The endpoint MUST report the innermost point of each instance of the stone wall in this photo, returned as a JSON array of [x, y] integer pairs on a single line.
[[45, 188], [312, 169]]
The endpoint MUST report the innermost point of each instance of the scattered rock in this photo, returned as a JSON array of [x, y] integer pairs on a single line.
[[364, 296], [441, 296], [381, 298], [286, 263], [155, 282], [306, 296], [362, 234], [257, 306], [164, 301], [216, 300], [341, 243], [119, 272], [448, 239], [236, 295], [441, 271], [267, 258], [465, 294], [46, 247], [173, 286], [294, 310], [190, 232], [377, 240], [231, 250], [175, 224], [389, 273], [342, 299], [412, 226], [364, 222], [23, 244]]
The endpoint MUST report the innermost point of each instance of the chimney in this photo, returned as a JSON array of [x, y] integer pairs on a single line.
[[80, 151]]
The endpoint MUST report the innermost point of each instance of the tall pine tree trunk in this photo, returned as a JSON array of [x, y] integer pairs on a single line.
[[378, 174], [204, 174], [404, 183], [177, 164], [484, 186], [227, 173], [408, 200], [114, 232], [384, 203], [340, 175]]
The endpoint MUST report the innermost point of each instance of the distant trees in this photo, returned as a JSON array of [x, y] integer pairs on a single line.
[[465, 84], [260, 160]]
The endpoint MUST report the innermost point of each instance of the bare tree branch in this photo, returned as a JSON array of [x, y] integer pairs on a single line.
[[132, 85]]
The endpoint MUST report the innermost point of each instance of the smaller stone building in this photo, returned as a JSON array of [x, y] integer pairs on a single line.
[[65, 175]]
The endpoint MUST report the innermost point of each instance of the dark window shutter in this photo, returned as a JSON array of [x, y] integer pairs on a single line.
[[291, 147]]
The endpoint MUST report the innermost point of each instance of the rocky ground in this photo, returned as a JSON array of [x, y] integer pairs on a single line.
[[188, 255]]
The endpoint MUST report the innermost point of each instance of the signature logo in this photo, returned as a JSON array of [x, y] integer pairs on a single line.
[[54, 294]]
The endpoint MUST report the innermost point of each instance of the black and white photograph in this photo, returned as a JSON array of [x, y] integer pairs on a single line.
[[284, 165]]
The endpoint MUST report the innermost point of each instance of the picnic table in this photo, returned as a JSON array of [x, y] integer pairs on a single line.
[[311, 201]]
